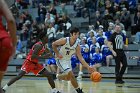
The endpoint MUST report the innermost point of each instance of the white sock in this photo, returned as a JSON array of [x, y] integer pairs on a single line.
[[5, 87]]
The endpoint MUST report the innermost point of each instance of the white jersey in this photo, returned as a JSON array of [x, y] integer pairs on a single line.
[[67, 51]]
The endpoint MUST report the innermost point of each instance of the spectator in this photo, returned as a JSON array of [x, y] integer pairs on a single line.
[[137, 38], [51, 32], [107, 54], [96, 59], [60, 33], [136, 25], [41, 12], [125, 18], [94, 45]]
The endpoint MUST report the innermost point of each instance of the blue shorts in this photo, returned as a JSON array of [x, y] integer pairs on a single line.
[[51, 61]]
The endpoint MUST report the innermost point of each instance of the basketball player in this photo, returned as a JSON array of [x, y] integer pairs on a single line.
[[31, 63], [69, 46], [7, 39]]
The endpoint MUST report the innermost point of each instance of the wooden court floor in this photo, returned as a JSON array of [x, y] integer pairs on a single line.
[[40, 85]]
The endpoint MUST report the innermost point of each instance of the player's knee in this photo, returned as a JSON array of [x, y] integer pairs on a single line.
[[69, 76]]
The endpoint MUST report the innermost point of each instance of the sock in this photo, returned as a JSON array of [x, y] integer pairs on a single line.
[[5, 87]]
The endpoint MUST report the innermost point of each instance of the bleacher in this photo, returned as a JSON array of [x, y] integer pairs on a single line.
[[82, 23]]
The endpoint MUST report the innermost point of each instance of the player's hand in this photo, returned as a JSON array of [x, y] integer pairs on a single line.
[[59, 56], [91, 69]]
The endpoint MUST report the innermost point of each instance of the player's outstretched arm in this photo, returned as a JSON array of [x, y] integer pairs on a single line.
[[81, 59], [47, 54]]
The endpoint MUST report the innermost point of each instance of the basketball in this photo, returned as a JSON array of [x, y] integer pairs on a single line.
[[96, 77]]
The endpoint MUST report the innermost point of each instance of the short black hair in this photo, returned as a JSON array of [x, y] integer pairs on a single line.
[[74, 30], [42, 35]]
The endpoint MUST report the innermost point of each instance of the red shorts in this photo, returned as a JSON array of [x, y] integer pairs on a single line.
[[5, 52], [29, 66]]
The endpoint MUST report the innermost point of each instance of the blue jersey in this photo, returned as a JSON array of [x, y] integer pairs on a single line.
[[89, 41], [92, 48], [85, 54], [95, 58], [108, 34], [106, 51], [100, 40]]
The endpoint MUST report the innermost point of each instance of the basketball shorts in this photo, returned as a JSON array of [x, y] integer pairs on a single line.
[[64, 65], [6, 49], [29, 66], [51, 61]]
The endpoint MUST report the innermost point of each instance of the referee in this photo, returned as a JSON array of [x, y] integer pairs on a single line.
[[117, 40]]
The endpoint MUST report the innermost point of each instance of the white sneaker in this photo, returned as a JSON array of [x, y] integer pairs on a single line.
[[80, 73], [79, 77], [55, 91]]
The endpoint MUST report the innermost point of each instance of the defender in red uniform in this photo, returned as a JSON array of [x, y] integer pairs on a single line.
[[7, 38], [31, 63]]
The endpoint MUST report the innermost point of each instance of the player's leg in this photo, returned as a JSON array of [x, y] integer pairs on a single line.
[[108, 58], [1, 77], [80, 71], [5, 54], [74, 82], [13, 80], [53, 68], [50, 76]]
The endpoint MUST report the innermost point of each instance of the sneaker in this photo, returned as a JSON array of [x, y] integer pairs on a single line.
[[3, 91], [79, 90], [135, 42], [55, 92], [119, 82], [80, 73], [79, 77]]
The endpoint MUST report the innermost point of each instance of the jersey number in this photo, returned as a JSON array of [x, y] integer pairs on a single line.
[[68, 52]]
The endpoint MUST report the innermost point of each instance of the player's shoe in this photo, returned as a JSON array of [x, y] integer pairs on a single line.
[[55, 91], [79, 90], [3, 91], [79, 77], [80, 73]]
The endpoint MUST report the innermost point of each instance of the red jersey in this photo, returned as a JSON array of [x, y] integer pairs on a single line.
[[3, 32], [31, 52]]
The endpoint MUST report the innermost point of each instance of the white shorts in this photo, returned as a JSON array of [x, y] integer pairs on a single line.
[[64, 65]]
